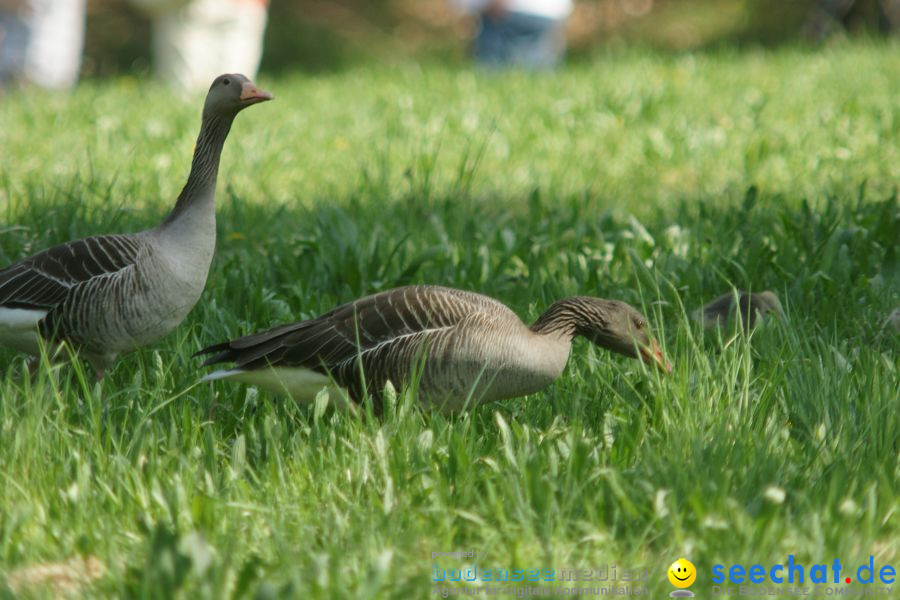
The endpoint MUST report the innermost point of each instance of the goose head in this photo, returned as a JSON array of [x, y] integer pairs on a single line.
[[618, 327], [231, 93]]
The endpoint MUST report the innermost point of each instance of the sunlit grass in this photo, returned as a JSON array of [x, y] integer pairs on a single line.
[[659, 180]]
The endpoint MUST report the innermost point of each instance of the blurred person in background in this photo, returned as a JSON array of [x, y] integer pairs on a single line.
[[528, 34], [196, 40], [41, 42], [828, 17]]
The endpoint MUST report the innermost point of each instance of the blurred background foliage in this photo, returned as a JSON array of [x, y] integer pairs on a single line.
[[320, 35]]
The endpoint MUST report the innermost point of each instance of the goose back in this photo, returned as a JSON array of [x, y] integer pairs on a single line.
[[104, 294]]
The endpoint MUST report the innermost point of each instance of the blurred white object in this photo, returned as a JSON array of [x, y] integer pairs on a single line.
[[194, 41], [551, 9], [41, 41]]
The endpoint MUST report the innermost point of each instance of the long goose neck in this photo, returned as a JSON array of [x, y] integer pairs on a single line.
[[200, 188], [562, 318]]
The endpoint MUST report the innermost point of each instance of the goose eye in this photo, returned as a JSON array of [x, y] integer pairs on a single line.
[[226, 81]]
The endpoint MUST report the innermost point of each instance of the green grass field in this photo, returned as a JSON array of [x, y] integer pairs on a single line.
[[661, 180]]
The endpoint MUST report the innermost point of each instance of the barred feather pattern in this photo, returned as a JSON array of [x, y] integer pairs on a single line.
[[106, 294], [44, 279]]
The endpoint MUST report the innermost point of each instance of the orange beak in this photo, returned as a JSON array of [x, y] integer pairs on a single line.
[[653, 356], [252, 94]]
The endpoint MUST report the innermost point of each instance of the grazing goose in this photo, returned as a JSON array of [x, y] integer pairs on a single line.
[[751, 309], [471, 344], [110, 294]]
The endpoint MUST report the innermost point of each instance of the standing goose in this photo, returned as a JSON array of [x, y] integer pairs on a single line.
[[110, 294], [471, 344]]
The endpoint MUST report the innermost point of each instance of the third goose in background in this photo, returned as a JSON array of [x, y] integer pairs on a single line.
[[750, 308], [469, 344]]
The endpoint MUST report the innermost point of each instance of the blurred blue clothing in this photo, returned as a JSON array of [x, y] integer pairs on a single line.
[[520, 40], [14, 35]]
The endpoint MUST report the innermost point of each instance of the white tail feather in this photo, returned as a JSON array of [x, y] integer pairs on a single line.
[[18, 328], [299, 383], [220, 375]]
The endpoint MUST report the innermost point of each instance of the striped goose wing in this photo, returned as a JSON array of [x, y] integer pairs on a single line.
[[43, 280], [336, 338]]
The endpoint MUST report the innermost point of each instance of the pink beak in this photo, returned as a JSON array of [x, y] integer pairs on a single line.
[[252, 94], [654, 356]]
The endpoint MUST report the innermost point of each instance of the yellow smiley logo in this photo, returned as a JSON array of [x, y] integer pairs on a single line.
[[682, 573]]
